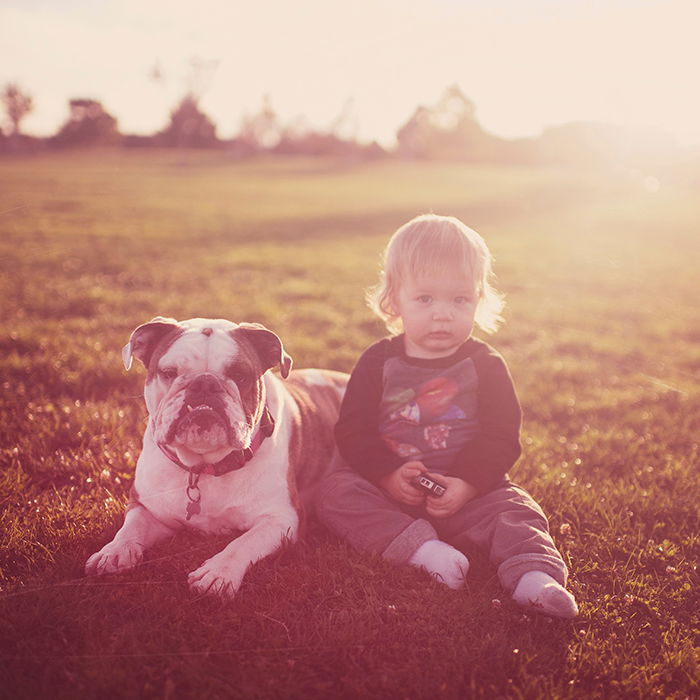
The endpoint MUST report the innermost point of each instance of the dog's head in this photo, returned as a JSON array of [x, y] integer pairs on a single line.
[[204, 391]]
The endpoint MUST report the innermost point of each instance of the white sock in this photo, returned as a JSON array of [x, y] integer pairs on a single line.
[[540, 592], [441, 560]]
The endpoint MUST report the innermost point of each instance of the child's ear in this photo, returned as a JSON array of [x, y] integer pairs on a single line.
[[389, 306]]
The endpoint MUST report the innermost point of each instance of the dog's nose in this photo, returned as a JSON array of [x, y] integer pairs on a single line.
[[204, 385]]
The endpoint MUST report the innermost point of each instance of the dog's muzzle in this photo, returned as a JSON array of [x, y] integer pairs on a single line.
[[202, 426], [201, 429]]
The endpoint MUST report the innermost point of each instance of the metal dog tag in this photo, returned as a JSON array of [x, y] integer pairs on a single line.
[[193, 508], [194, 495]]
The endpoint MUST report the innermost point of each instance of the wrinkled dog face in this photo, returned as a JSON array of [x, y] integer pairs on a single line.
[[204, 392]]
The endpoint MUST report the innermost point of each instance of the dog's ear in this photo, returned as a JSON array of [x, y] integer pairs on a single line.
[[268, 346], [145, 338]]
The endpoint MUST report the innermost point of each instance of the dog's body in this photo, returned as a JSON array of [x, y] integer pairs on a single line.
[[229, 446]]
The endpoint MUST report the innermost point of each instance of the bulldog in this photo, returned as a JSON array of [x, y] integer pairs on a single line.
[[229, 446]]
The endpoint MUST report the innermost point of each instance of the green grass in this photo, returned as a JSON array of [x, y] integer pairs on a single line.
[[602, 337]]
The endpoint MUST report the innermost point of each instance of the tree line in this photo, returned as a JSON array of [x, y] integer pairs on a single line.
[[447, 130]]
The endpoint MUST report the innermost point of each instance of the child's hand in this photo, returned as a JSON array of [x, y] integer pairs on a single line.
[[458, 492], [399, 484]]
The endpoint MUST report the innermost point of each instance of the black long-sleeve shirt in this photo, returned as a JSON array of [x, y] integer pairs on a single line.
[[459, 415]]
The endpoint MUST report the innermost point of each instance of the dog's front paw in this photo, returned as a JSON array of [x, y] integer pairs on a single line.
[[216, 577], [114, 557]]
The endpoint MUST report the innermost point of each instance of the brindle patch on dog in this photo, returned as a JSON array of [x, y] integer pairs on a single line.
[[317, 396]]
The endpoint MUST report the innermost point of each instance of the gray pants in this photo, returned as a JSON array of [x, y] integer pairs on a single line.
[[507, 523]]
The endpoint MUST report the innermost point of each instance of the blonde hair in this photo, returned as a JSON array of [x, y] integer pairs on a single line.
[[432, 245]]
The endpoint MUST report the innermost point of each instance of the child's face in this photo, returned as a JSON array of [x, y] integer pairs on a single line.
[[437, 314]]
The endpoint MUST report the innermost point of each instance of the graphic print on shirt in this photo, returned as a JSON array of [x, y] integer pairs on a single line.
[[428, 414]]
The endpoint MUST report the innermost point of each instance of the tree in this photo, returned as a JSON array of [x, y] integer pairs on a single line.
[[260, 132], [17, 106], [339, 140], [88, 125], [448, 131], [600, 144], [189, 127]]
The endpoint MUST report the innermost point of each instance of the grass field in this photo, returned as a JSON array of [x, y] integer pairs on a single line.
[[602, 337]]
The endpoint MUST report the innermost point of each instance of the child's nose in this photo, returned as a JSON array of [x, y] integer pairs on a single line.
[[442, 312]]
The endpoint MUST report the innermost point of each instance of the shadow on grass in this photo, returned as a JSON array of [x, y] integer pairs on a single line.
[[313, 619]]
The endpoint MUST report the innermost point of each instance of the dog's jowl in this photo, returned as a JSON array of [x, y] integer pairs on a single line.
[[229, 445]]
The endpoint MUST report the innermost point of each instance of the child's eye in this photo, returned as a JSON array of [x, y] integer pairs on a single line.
[[462, 300], [424, 298]]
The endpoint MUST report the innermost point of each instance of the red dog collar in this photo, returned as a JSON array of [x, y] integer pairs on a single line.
[[231, 462]]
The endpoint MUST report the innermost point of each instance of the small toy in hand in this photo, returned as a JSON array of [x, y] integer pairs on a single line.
[[425, 482]]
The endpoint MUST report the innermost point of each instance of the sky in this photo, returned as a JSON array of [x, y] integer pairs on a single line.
[[526, 64]]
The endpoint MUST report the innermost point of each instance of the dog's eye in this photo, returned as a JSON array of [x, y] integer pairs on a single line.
[[243, 379], [240, 376], [168, 373]]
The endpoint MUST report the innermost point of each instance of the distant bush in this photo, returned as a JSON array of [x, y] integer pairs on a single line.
[[189, 127], [88, 125]]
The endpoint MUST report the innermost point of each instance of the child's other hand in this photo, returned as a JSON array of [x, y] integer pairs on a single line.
[[458, 492], [399, 484]]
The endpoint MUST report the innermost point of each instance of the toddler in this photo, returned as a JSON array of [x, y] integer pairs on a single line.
[[432, 400]]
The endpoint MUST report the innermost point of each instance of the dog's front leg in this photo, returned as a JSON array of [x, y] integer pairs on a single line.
[[223, 573], [139, 532]]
